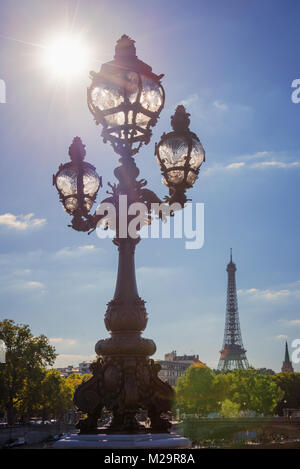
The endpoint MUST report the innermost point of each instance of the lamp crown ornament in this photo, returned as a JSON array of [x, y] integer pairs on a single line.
[[180, 120], [125, 47], [77, 150]]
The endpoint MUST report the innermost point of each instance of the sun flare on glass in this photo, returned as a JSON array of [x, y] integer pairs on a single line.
[[66, 56]]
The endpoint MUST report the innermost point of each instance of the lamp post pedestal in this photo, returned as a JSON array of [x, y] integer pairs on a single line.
[[125, 379]]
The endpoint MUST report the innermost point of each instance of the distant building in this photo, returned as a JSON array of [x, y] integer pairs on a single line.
[[84, 368], [67, 371], [287, 364], [266, 371], [173, 366]]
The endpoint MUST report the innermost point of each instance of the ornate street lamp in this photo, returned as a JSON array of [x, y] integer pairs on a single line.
[[126, 98], [77, 183], [179, 156]]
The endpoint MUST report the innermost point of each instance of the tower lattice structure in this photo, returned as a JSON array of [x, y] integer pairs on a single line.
[[233, 354]]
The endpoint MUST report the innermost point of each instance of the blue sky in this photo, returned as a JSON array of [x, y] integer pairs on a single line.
[[232, 64]]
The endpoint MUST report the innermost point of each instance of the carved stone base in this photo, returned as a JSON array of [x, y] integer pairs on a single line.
[[124, 385]]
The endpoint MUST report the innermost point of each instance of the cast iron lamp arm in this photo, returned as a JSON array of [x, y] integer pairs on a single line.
[[88, 223]]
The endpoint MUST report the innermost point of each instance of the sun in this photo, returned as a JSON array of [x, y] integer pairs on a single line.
[[66, 56]]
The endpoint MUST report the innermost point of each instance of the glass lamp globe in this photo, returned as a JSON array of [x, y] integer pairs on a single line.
[[77, 182], [180, 153], [126, 98]]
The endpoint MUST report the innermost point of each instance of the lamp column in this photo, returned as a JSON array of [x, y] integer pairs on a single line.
[[125, 379]]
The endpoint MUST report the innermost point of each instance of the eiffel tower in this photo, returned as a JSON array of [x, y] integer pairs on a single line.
[[233, 354]]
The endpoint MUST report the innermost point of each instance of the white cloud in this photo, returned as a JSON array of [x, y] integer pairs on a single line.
[[235, 165], [78, 251], [33, 284], [220, 105], [260, 154], [62, 341], [275, 295], [244, 163], [292, 322], [254, 156], [275, 164], [190, 99], [22, 272], [228, 167], [270, 295], [21, 222], [20, 285], [65, 359]]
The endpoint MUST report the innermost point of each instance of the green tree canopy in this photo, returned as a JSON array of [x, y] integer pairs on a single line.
[[26, 356], [56, 395], [201, 391], [194, 391], [75, 379], [289, 383], [230, 409]]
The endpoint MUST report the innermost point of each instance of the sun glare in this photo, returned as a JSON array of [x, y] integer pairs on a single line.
[[66, 56]]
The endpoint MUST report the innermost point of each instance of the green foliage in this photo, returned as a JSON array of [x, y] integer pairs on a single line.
[[194, 391], [75, 379], [26, 386], [200, 390], [289, 383], [222, 387], [230, 409], [49, 396], [266, 394], [56, 395], [254, 391], [26, 357]]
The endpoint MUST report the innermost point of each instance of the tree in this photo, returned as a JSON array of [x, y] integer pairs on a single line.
[[242, 387], [222, 386], [26, 356], [194, 391], [289, 383], [27, 403], [50, 395], [56, 395], [254, 390], [230, 409], [200, 390], [266, 394], [75, 379]]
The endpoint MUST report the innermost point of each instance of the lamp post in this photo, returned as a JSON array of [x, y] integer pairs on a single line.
[[126, 99]]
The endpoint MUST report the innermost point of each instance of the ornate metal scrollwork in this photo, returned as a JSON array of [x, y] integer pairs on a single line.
[[124, 385]]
